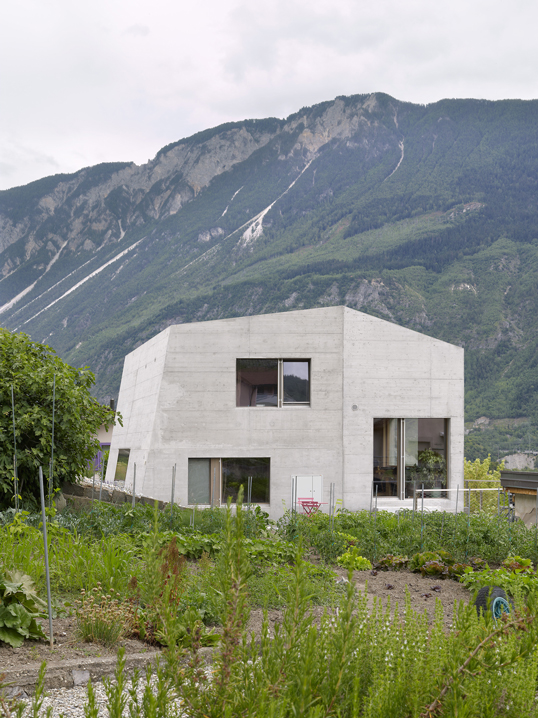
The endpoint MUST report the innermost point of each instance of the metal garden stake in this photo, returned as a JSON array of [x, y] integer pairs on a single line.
[[172, 496], [15, 475], [51, 468], [45, 546], [134, 485]]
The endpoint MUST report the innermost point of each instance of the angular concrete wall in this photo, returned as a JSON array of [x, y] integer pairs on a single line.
[[139, 405], [393, 372]]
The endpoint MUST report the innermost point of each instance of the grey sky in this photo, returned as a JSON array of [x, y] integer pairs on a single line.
[[83, 83]]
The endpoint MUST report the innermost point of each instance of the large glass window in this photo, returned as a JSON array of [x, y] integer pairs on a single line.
[[272, 382], [236, 473], [409, 453], [223, 478], [425, 454]]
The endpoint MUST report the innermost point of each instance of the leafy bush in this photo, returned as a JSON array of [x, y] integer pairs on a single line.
[[352, 560], [437, 563], [19, 609], [392, 563], [269, 587], [517, 564], [516, 576]]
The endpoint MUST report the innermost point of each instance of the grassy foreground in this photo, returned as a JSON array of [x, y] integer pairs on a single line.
[[351, 663]]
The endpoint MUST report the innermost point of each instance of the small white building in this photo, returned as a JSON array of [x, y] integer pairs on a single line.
[[330, 395]]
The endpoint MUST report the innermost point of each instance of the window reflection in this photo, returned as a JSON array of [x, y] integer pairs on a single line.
[[257, 382], [296, 382], [425, 455], [272, 382], [423, 459], [236, 472], [386, 457]]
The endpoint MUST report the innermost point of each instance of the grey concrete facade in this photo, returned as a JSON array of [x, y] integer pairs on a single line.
[[178, 400]]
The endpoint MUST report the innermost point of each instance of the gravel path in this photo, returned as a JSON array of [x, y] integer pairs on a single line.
[[70, 702]]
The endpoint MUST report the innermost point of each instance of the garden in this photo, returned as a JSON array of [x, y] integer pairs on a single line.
[[351, 615]]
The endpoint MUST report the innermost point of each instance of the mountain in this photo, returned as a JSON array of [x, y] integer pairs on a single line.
[[426, 215]]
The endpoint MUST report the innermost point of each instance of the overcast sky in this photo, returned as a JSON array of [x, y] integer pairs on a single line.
[[108, 80]]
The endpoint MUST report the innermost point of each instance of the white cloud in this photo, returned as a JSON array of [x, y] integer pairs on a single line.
[[117, 79]]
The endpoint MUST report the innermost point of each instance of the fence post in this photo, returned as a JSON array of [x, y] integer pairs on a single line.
[[52, 442], [456, 514], [15, 472], [172, 496], [375, 526], [134, 486], [46, 548], [422, 520]]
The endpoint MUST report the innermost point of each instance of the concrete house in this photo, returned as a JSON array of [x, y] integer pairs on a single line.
[[303, 398]]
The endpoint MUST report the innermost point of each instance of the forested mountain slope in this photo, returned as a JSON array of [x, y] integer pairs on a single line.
[[423, 215]]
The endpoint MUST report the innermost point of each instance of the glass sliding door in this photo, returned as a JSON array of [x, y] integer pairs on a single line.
[[425, 455], [409, 453], [386, 457]]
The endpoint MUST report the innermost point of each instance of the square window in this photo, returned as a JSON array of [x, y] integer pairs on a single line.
[[236, 473]]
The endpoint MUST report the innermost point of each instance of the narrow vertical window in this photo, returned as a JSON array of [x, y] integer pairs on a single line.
[[121, 465]]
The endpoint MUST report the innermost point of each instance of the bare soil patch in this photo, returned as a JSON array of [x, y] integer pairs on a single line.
[[67, 646], [423, 592], [393, 585]]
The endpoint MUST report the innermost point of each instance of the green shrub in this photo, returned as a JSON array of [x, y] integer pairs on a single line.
[[516, 576], [352, 560], [392, 563]]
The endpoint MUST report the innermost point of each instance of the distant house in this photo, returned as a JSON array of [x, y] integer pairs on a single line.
[[300, 399]]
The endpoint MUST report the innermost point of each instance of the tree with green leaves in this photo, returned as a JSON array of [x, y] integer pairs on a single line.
[[30, 373]]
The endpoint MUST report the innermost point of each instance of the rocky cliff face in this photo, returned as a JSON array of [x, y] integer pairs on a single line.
[[425, 216], [88, 211], [98, 205]]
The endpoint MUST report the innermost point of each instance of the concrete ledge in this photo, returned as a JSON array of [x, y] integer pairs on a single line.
[[76, 672]]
